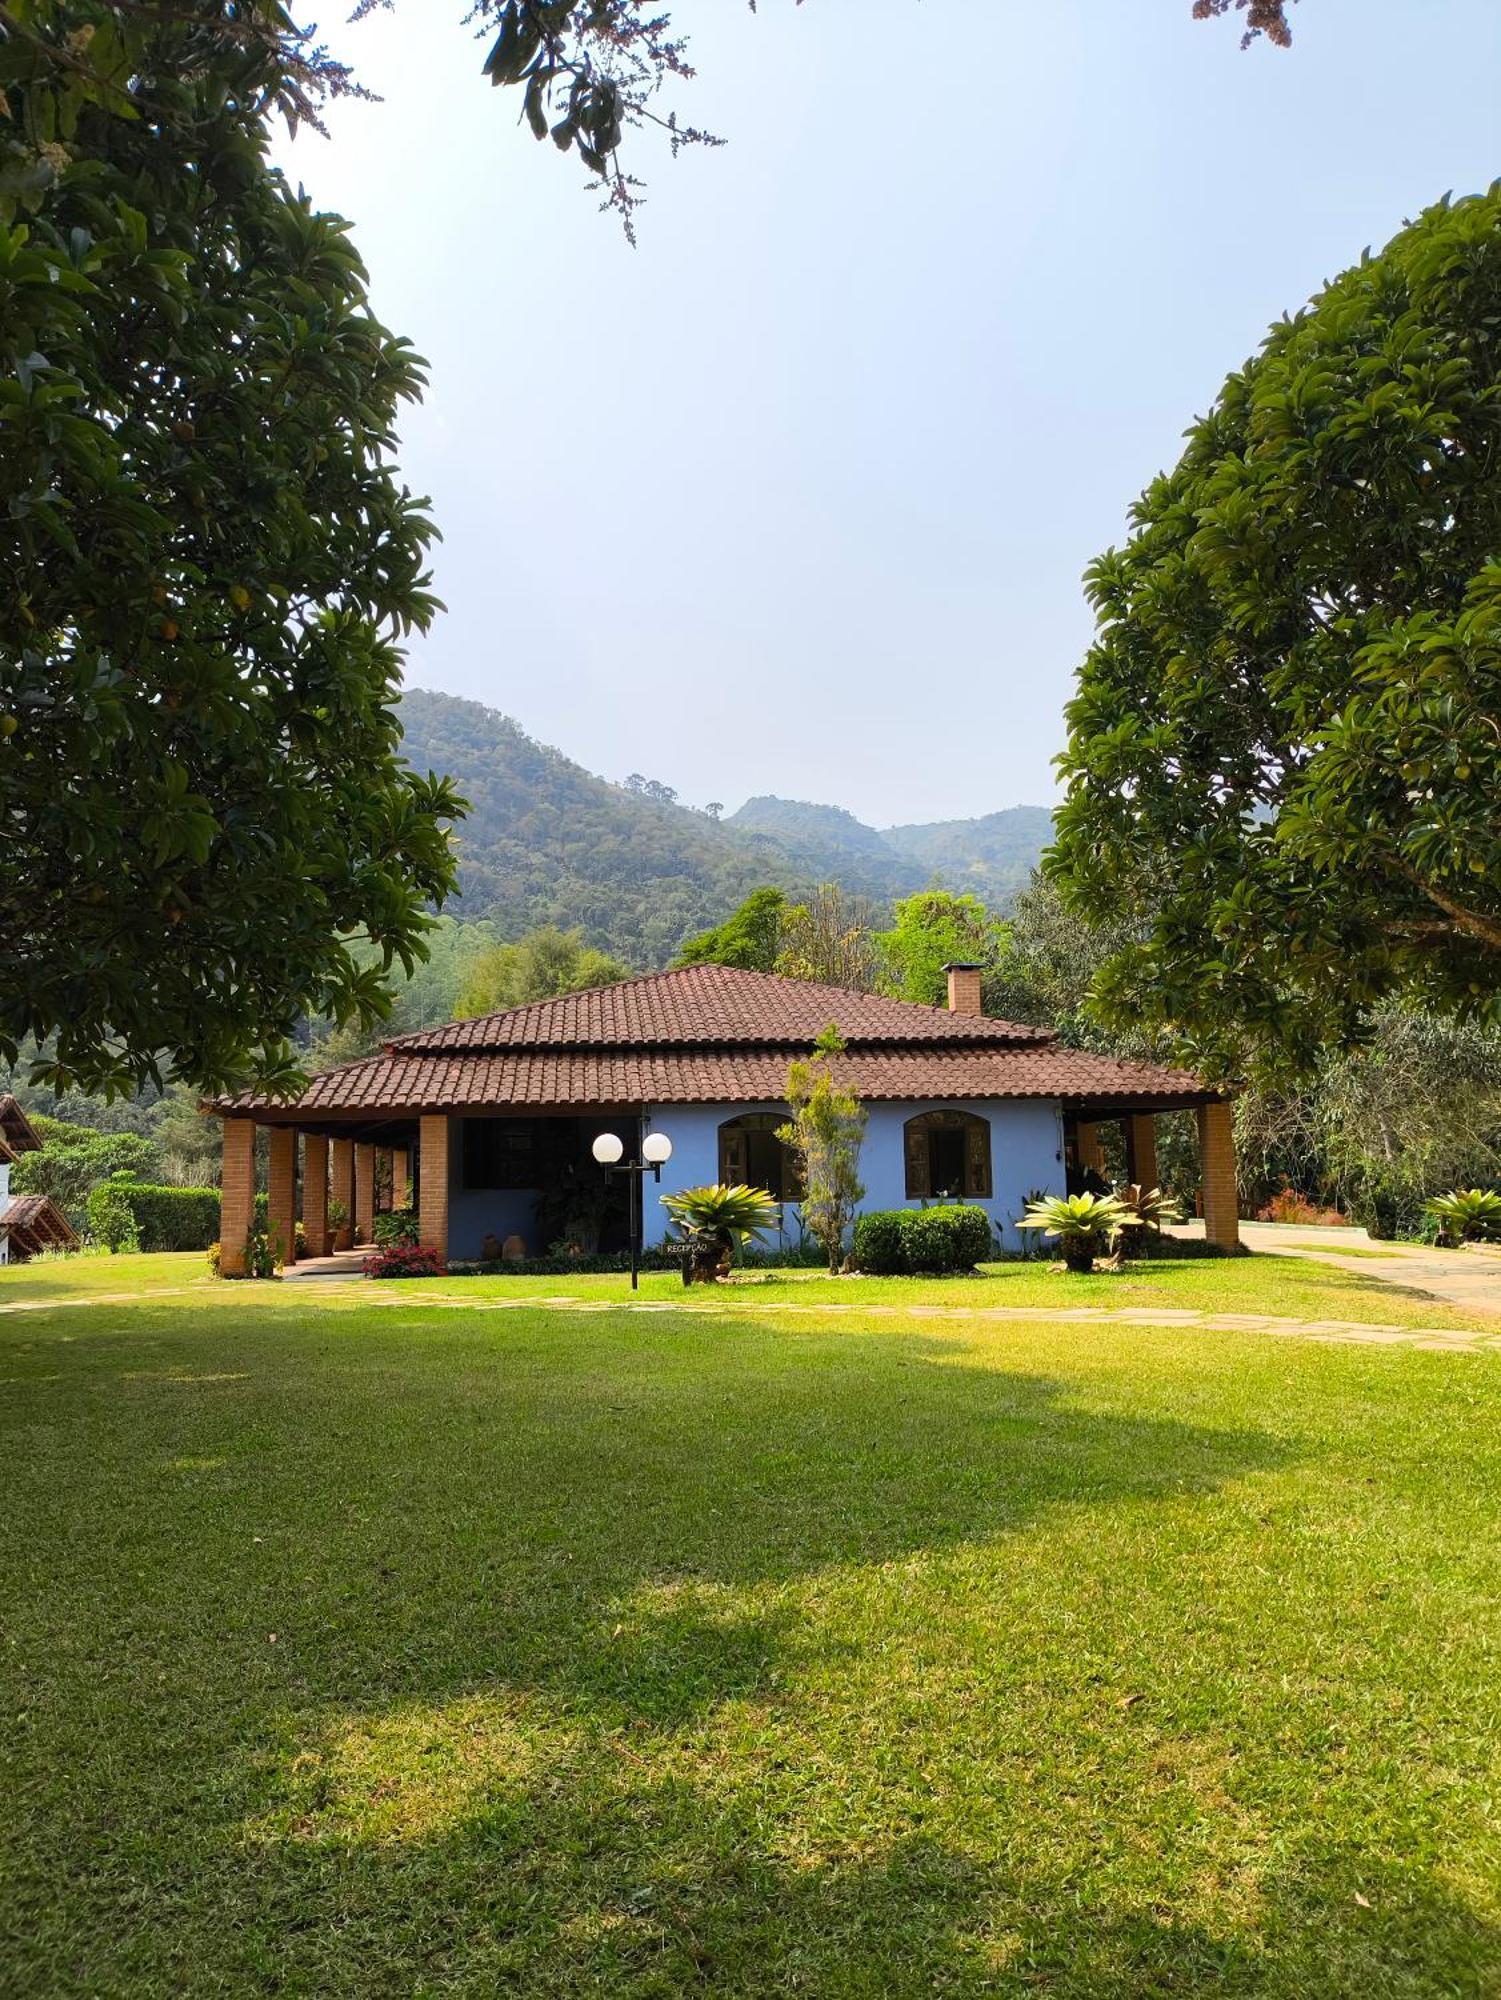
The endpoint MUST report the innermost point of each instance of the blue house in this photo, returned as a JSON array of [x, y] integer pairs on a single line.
[[492, 1121]]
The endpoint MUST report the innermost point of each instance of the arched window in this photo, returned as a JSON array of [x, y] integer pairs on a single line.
[[750, 1152], [947, 1153]]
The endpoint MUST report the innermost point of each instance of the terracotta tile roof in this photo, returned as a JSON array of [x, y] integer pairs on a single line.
[[34, 1222], [714, 1006], [402, 1083], [19, 1132], [715, 1035]]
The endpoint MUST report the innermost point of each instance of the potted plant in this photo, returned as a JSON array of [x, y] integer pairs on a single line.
[[714, 1222], [1084, 1224]]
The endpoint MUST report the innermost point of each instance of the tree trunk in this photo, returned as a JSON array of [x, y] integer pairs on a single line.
[[1079, 1252], [707, 1255]]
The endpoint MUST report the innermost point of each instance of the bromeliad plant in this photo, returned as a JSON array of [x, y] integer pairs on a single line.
[[1467, 1215], [1151, 1210], [715, 1221], [1085, 1224]]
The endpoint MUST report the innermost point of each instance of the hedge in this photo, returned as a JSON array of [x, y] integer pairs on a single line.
[[166, 1218], [929, 1241]]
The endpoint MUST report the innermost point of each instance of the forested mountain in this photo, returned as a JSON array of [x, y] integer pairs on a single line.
[[836, 845], [547, 842], [992, 858]]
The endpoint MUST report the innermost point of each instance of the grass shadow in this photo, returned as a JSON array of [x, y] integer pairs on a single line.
[[397, 1657]]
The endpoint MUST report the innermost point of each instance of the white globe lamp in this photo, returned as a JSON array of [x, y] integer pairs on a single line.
[[656, 1149], [608, 1149]]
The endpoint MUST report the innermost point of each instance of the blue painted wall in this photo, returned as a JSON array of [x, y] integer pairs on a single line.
[[1026, 1147], [475, 1213]]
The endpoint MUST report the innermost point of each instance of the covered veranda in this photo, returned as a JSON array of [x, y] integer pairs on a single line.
[[1084, 1122], [334, 1173], [322, 1165]]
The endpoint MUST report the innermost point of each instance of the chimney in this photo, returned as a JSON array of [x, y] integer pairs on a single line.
[[964, 986]]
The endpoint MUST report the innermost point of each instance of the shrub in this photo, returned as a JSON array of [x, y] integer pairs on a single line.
[[1387, 1210], [946, 1239], [807, 1255], [1150, 1212], [405, 1260], [1287, 1205], [586, 1263], [126, 1214], [930, 1241], [111, 1219], [172, 1218], [879, 1245], [261, 1222], [260, 1258], [397, 1227]]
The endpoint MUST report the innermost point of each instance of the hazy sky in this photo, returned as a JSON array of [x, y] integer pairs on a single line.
[[796, 496]]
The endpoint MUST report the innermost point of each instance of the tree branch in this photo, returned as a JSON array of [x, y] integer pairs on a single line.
[[1472, 922]]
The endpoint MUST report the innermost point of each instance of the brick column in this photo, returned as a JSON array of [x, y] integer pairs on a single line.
[[315, 1194], [432, 1218], [341, 1188], [1217, 1166], [237, 1196], [281, 1203], [401, 1177], [364, 1191], [1141, 1150], [1087, 1147]]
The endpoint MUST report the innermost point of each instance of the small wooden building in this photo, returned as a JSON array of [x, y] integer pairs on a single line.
[[28, 1222]]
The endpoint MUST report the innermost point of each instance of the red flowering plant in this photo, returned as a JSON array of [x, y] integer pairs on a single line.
[[405, 1260]]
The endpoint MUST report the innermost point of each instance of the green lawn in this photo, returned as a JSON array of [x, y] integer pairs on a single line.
[[1292, 1287], [72, 1277], [404, 1652]]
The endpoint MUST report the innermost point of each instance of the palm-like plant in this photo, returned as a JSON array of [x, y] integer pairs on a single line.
[[1083, 1223], [1151, 1210], [715, 1221], [1467, 1215]]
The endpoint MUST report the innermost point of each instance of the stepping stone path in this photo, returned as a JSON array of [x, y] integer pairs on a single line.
[[349, 1294]]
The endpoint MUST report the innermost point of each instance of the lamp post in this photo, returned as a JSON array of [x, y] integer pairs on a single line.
[[656, 1151]]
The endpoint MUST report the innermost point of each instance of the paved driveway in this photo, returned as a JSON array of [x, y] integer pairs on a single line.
[[1470, 1279]]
